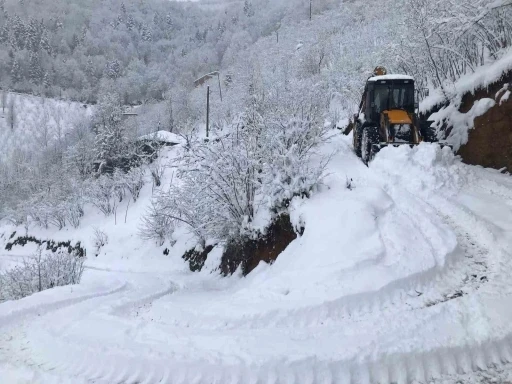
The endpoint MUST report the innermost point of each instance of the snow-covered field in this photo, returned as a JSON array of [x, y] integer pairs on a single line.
[[401, 278]]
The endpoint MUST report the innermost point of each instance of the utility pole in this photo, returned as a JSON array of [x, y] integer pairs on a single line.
[[220, 88], [310, 10], [207, 111]]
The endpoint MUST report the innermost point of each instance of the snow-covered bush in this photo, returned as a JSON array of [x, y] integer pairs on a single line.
[[157, 169], [133, 181], [102, 194], [263, 159], [100, 239], [157, 224], [43, 270], [75, 206], [288, 167]]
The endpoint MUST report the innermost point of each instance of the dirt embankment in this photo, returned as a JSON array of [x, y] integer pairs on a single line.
[[248, 253], [490, 142]]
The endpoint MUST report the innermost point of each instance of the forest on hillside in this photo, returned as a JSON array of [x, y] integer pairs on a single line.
[[74, 49]]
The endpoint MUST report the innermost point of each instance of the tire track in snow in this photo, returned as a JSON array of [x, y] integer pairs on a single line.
[[67, 360], [46, 308], [424, 289], [399, 368], [131, 305]]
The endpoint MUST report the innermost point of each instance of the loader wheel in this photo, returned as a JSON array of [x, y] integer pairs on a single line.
[[428, 133], [370, 137], [356, 138]]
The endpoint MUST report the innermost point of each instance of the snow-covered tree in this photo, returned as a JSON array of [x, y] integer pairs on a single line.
[[110, 135]]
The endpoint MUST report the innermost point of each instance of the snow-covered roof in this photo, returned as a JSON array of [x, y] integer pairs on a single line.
[[391, 77], [163, 136]]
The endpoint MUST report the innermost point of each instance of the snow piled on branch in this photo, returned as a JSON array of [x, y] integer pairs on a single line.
[[460, 123], [481, 78]]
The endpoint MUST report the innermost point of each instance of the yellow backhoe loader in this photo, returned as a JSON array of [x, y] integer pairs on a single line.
[[387, 116]]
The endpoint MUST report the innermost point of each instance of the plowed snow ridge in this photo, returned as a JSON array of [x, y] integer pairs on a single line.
[[404, 279]]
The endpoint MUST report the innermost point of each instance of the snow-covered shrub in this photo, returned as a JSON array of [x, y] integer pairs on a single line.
[[291, 141], [100, 239], [157, 169], [57, 212], [75, 207], [15, 215], [133, 181], [449, 39], [38, 211], [101, 194], [157, 224], [43, 270], [262, 161]]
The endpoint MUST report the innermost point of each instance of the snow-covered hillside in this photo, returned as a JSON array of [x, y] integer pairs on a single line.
[[401, 276]]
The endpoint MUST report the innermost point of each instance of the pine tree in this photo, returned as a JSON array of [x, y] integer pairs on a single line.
[[44, 42], [114, 69], [75, 42], [19, 32], [89, 68], [4, 34], [35, 70], [130, 23], [146, 33], [32, 38], [248, 8], [16, 75], [12, 41], [110, 137], [46, 80], [168, 20]]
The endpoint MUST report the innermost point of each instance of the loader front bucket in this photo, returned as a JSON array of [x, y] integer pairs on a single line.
[[377, 147]]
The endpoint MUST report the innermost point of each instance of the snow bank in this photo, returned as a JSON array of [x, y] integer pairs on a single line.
[[391, 77], [423, 170]]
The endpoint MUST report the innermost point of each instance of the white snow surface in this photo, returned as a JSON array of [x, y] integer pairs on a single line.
[[391, 77], [403, 278], [164, 136]]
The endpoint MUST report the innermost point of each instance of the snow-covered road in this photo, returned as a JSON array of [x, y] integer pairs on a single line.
[[403, 278]]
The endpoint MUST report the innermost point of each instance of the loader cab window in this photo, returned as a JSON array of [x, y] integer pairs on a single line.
[[392, 95]]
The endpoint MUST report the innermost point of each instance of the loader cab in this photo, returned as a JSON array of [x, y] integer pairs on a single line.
[[388, 92]]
